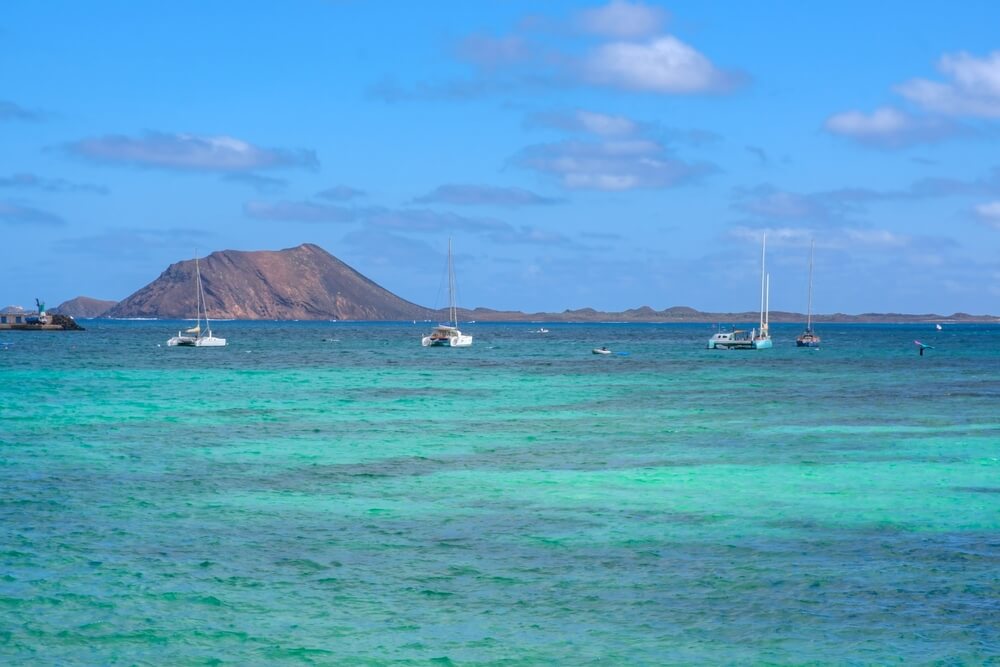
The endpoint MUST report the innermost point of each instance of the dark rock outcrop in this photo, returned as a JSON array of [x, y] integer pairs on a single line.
[[66, 322], [301, 283]]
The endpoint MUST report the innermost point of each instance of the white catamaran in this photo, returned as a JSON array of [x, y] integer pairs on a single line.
[[755, 339], [448, 335], [196, 336]]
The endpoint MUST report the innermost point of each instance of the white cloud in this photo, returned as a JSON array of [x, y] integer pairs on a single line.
[[663, 65], [605, 125], [973, 88], [989, 212], [622, 19], [610, 165], [189, 152], [887, 127]]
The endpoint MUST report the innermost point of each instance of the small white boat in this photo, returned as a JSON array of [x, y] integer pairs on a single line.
[[542, 330], [196, 336], [601, 350], [448, 335]]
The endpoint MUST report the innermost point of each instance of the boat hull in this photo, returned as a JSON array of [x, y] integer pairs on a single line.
[[807, 340], [460, 340], [739, 343], [191, 341]]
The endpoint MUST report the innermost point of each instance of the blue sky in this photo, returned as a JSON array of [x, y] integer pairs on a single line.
[[580, 154]]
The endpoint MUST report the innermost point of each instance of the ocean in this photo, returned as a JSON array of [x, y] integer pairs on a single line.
[[332, 493]]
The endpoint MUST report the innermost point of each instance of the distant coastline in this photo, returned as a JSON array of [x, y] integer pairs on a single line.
[[308, 283], [643, 315]]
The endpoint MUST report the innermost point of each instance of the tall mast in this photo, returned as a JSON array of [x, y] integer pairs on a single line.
[[809, 307], [767, 303], [763, 278], [198, 299], [452, 310]]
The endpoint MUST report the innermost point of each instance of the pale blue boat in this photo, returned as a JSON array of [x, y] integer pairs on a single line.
[[755, 339]]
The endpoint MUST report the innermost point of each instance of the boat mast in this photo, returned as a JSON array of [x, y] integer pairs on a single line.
[[809, 307], [763, 280], [767, 306], [198, 296], [452, 310], [204, 303]]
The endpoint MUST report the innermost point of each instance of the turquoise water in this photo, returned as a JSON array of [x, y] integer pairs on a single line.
[[293, 499]]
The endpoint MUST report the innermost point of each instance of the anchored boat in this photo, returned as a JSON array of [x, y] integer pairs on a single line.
[[196, 336], [755, 339], [808, 338], [448, 335]]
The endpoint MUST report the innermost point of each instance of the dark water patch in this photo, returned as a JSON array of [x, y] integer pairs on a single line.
[[978, 489]]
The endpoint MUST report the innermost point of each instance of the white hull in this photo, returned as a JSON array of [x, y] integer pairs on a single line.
[[448, 335], [181, 340], [456, 339]]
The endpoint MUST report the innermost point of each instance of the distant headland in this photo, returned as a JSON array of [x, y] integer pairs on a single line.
[[308, 283]]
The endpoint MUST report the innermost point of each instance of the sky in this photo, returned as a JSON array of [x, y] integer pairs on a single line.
[[578, 154]]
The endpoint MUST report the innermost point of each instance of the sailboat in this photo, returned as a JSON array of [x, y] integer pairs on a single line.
[[808, 338], [196, 336], [755, 339], [448, 335]]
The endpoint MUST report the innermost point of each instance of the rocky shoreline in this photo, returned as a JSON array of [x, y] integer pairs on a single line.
[[56, 323]]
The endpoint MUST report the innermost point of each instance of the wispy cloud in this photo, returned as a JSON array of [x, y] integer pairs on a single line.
[[428, 221], [588, 122], [842, 238], [622, 19], [490, 52], [631, 54], [662, 65], [943, 109], [483, 195], [971, 88], [299, 211], [9, 111], [189, 152], [887, 127], [758, 153], [132, 243], [34, 182], [841, 205], [610, 165], [256, 181], [340, 193], [989, 213], [16, 214]]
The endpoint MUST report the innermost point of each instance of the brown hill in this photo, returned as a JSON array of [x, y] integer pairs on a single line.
[[83, 307], [301, 283]]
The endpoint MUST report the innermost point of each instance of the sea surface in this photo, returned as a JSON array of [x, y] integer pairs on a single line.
[[332, 493]]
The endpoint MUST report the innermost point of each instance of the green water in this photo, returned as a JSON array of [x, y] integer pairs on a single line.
[[332, 493]]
